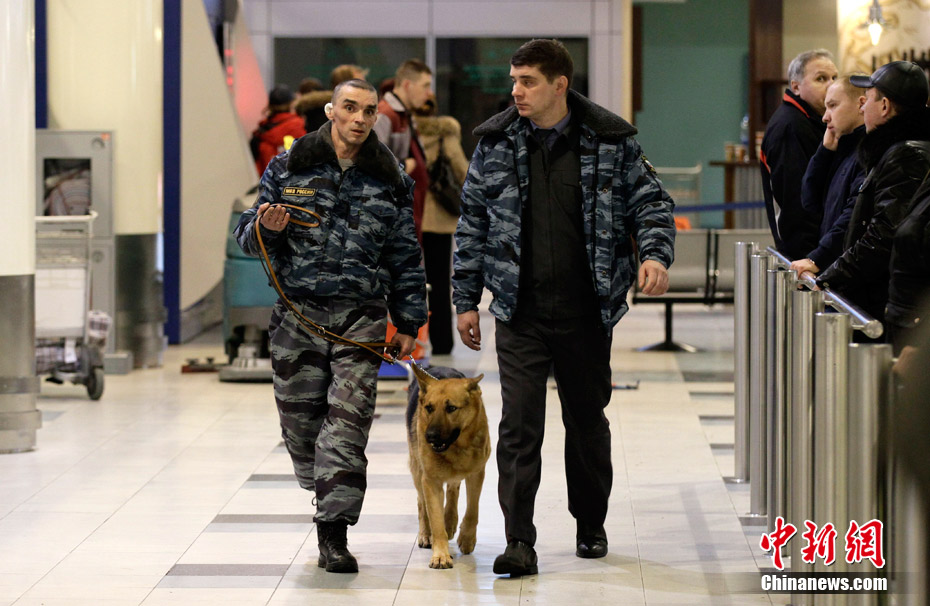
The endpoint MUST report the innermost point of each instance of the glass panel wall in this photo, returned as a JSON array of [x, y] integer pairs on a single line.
[[299, 58], [472, 78], [472, 75]]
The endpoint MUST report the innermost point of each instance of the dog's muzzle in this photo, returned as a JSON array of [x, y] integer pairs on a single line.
[[440, 443]]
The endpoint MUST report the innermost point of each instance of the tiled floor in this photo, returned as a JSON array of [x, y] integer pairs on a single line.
[[174, 489]]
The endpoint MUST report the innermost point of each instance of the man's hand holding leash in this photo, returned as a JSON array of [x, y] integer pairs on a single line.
[[274, 217], [404, 345]]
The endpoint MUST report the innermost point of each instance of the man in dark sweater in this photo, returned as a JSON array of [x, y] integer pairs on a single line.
[[791, 138], [831, 183]]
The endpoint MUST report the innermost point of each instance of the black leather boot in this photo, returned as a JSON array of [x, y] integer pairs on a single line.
[[334, 548]]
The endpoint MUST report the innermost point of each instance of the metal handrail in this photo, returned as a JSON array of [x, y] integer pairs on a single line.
[[862, 321]]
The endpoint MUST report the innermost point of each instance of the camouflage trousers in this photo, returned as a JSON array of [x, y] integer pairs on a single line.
[[325, 395]]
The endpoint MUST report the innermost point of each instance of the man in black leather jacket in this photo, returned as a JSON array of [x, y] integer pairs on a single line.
[[909, 291], [896, 156]]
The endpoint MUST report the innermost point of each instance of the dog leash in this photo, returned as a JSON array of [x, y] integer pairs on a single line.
[[303, 321]]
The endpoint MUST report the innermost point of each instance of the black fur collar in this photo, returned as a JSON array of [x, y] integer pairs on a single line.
[[605, 124], [374, 158], [914, 125]]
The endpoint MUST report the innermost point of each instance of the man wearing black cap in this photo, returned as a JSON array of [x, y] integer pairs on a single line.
[[896, 156]]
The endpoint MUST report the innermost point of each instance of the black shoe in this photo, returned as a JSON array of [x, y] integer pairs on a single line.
[[591, 544], [518, 559], [591, 548], [334, 548]]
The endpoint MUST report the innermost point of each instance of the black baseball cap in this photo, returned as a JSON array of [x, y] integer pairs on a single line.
[[903, 82]]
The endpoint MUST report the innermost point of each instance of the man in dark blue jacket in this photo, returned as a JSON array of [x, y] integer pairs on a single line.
[[831, 183], [793, 133], [557, 192]]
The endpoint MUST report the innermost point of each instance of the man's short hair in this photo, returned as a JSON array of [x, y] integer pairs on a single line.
[[342, 73], [411, 69], [799, 63], [849, 89], [354, 83], [549, 56]]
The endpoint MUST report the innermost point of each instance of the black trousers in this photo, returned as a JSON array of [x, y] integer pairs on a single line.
[[578, 351], [437, 261]]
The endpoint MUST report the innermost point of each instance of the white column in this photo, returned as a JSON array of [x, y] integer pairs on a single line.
[[18, 385], [105, 73], [17, 134]]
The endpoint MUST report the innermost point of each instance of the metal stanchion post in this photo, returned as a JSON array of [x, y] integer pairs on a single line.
[[741, 363], [759, 266], [908, 561], [869, 394], [804, 305], [905, 514], [831, 341], [780, 284]]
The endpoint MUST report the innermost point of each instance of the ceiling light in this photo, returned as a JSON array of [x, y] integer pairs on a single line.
[[876, 22]]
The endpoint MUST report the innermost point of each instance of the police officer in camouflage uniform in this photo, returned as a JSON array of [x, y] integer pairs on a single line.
[[556, 193], [362, 261]]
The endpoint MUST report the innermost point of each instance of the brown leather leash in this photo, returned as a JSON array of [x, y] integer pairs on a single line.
[[306, 323]]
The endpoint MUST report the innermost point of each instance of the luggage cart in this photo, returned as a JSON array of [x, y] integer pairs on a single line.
[[248, 300], [69, 337]]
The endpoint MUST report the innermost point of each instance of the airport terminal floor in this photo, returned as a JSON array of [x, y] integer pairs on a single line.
[[176, 489]]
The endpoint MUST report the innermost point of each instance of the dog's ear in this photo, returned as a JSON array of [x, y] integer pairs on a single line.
[[473, 383], [423, 378]]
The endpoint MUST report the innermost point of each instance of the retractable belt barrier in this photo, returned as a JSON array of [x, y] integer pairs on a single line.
[[706, 208]]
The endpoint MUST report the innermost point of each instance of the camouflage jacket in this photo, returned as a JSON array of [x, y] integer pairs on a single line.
[[622, 199], [365, 248]]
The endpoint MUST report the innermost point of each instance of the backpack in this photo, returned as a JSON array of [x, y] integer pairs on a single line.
[[443, 184]]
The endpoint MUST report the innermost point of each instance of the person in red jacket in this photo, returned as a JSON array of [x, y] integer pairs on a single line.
[[268, 139]]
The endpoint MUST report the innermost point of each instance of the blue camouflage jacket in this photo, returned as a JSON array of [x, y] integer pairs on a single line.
[[366, 246], [622, 199]]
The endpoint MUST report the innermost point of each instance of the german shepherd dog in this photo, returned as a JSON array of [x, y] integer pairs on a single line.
[[447, 434]]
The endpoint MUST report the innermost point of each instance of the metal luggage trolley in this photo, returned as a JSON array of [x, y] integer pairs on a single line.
[[69, 338]]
